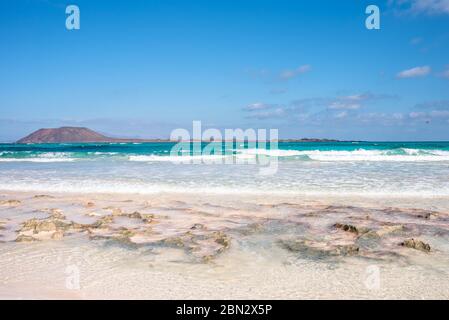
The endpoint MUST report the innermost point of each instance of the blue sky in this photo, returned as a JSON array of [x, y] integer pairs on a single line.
[[309, 68]]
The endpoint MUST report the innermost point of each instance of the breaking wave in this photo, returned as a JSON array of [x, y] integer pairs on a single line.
[[24, 156], [400, 154], [163, 155]]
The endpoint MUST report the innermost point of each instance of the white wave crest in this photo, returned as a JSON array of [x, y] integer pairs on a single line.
[[36, 160], [181, 159], [401, 155], [43, 157], [115, 187]]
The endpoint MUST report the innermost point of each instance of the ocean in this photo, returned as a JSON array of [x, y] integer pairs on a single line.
[[400, 169]]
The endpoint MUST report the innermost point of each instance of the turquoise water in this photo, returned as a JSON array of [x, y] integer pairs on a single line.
[[409, 169], [95, 150]]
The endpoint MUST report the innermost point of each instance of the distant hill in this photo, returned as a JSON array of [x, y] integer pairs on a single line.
[[69, 134], [83, 135]]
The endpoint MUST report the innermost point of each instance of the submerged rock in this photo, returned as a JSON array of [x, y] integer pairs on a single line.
[[347, 250], [416, 244], [390, 230], [251, 228], [36, 225], [103, 222], [202, 246], [54, 213], [415, 213], [126, 232], [377, 235], [24, 238], [57, 214], [134, 215], [58, 235], [211, 246], [384, 238], [90, 205], [10, 203], [369, 240], [346, 227], [122, 236], [222, 238], [183, 240], [94, 214], [423, 214], [198, 226], [40, 196], [319, 249], [115, 211], [44, 229]]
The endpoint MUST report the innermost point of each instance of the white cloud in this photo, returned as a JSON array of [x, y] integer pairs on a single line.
[[429, 7], [431, 116], [317, 108], [356, 97], [414, 72], [339, 105], [355, 101], [268, 114], [398, 116], [439, 113], [434, 105], [289, 74], [258, 106], [434, 116], [341, 115], [415, 115]]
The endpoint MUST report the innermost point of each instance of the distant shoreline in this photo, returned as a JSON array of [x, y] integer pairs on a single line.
[[86, 135], [186, 141]]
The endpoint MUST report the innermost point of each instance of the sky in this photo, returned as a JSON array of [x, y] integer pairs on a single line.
[[307, 68]]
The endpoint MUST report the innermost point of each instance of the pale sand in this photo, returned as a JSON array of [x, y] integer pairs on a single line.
[[212, 247]]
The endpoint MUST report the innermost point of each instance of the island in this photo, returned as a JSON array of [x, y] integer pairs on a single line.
[[86, 135], [75, 135]]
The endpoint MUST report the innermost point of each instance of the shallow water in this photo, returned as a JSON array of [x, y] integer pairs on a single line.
[[41, 271], [149, 264]]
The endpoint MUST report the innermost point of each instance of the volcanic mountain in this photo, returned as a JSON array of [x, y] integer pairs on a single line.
[[84, 135], [69, 134]]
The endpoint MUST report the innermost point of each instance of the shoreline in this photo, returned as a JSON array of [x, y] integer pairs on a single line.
[[244, 192]]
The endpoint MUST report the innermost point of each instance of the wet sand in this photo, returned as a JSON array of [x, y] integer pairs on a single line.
[[187, 246]]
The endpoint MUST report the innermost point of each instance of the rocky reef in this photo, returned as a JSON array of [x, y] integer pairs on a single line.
[[416, 244], [204, 231], [10, 203]]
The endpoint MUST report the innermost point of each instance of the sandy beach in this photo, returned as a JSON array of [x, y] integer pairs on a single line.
[[185, 246]]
